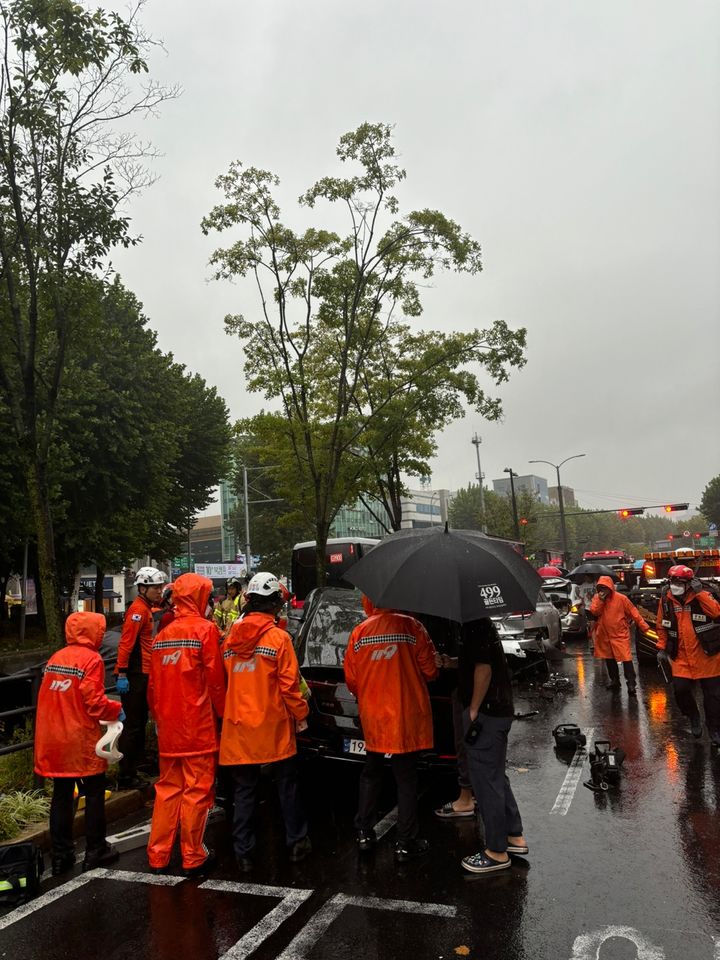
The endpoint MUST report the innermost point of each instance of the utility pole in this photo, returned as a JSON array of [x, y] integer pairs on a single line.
[[476, 441], [514, 501], [248, 561], [561, 503]]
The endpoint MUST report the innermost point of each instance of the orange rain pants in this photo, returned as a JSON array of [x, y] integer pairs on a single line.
[[184, 796]]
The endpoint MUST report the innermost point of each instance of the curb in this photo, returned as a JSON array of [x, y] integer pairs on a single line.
[[120, 805]]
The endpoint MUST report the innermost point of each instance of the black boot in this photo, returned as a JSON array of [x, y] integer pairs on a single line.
[[62, 864]]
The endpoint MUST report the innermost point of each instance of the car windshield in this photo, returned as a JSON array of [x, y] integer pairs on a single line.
[[325, 636]]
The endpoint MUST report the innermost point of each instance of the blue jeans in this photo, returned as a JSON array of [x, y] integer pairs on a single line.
[[486, 766]]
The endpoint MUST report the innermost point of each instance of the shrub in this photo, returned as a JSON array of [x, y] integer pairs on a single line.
[[18, 809], [16, 769]]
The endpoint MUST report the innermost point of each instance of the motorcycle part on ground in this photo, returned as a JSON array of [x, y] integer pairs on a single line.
[[568, 736], [556, 683], [605, 766]]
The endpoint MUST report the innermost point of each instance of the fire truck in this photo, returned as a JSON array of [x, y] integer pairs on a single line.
[[653, 574]]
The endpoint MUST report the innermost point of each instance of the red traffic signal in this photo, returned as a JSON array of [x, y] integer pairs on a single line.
[[672, 507], [524, 521], [630, 512]]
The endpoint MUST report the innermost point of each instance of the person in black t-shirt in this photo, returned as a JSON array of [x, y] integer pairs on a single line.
[[486, 695]]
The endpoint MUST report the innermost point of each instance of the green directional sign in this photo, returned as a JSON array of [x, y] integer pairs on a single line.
[[182, 563]]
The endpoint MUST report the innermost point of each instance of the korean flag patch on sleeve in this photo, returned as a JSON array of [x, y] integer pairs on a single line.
[[136, 617]]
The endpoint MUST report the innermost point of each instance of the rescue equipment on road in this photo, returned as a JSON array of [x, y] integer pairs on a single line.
[[605, 766], [568, 736]]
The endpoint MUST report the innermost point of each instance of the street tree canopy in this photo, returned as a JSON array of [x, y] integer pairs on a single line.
[[69, 80], [710, 502], [328, 342]]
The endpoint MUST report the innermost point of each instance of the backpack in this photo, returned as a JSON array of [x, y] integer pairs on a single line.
[[21, 866]]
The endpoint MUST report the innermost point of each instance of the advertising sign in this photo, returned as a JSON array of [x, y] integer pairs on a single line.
[[220, 571]]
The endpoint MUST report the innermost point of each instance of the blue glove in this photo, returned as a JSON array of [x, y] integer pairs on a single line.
[[121, 716], [122, 685]]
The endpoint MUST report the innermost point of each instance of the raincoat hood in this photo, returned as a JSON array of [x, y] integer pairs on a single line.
[[246, 633], [85, 628], [606, 582], [368, 606], [191, 593]]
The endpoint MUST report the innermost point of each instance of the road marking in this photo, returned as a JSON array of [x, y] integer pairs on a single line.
[[302, 945], [587, 945], [572, 778], [52, 895], [386, 824], [291, 899]]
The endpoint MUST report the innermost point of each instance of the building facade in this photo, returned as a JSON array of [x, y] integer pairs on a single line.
[[568, 496], [536, 486]]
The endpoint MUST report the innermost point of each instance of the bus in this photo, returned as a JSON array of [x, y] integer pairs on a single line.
[[341, 554]]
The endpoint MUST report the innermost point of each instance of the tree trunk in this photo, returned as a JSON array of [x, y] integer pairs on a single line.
[[99, 590], [321, 537], [47, 569], [74, 600]]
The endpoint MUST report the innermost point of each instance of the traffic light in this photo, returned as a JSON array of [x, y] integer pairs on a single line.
[[524, 521], [630, 512], [672, 507]]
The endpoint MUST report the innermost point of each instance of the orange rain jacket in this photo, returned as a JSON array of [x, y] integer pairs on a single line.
[[133, 654], [263, 696], [186, 687], [691, 662], [72, 701], [389, 660], [612, 630]]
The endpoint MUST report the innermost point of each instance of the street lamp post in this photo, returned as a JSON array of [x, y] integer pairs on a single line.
[[514, 501], [561, 502], [476, 441]]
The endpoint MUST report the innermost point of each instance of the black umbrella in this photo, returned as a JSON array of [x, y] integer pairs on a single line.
[[590, 570], [460, 575]]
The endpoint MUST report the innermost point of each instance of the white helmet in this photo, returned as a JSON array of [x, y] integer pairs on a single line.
[[263, 585], [106, 747], [150, 577]]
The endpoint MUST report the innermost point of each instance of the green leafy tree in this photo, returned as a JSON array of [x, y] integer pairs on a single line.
[[66, 89], [141, 442], [329, 312], [276, 521], [414, 386], [710, 502]]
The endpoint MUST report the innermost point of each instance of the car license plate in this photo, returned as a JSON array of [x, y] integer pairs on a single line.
[[356, 747]]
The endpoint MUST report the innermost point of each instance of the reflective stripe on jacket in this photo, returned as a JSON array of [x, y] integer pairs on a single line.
[[612, 630], [389, 660], [133, 654], [72, 702], [263, 695], [691, 661], [186, 687]]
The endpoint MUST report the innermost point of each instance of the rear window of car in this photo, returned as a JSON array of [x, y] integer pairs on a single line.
[[325, 637]]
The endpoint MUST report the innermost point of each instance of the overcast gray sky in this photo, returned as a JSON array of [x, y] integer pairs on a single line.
[[578, 142]]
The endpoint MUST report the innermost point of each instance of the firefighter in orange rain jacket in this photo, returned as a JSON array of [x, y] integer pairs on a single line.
[[263, 711], [133, 664], [389, 660], [71, 704], [186, 693], [688, 627], [613, 612]]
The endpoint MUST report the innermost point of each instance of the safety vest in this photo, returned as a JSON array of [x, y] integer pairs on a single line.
[[706, 628]]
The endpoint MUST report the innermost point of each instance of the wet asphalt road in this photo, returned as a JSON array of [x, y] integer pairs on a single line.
[[626, 874]]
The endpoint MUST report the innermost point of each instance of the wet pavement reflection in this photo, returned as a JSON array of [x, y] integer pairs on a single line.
[[631, 872]]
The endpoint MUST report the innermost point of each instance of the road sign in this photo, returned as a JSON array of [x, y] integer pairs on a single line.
[[686, 533]]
